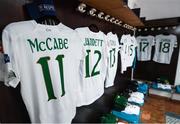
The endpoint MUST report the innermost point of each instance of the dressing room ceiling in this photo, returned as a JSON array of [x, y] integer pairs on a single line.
[[156, 9]]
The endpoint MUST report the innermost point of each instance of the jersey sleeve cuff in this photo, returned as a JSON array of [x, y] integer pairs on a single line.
[[11, 80]]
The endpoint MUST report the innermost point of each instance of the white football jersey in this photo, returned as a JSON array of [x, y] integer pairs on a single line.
[[131, 50], [45, 59], [123, 54], [127, 51], [144, 48], [113, 48], [94, 65], [164, 47], [2, 64]]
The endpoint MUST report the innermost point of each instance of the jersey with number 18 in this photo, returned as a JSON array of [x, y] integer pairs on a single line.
[[164, 47], [45, 60]]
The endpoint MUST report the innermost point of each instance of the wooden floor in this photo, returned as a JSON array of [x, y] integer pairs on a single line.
[[155, 108]]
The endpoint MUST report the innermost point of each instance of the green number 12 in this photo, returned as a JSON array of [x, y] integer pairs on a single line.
[[47, 78], [87, 60]]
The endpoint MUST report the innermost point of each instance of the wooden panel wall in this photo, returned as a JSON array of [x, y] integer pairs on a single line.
[[12, 108], [151, 70]]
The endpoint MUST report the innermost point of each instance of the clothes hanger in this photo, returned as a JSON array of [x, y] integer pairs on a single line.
[[113, 31], [125, 32], [48, 20], [93, 28], [165, 33]]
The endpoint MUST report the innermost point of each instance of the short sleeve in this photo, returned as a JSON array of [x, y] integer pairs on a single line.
[[11, 75]]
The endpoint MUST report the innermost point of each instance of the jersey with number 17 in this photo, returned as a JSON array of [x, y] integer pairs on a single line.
[[94, 65], [45, 60], [144, 48]]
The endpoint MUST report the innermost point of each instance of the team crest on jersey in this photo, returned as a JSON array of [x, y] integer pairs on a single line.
[[6, 58]]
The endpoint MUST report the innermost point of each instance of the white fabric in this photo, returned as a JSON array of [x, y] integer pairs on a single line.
[[133, 46], [127, 51], [2, 64], [140, 82], [144, 48], [123, 54], [33, 48], [132, 109], [94, 65], [138, 95], [164, 47], [113, 48], [135, 100], [164, 86], [120, 123]]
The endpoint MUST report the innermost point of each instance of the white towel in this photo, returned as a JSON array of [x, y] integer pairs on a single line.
[[132, 109], [138, 95], [164, 86], [135, 100]]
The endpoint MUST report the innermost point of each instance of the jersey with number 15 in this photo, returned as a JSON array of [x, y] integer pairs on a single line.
[[45, 60], [94, 65], [164, 46]]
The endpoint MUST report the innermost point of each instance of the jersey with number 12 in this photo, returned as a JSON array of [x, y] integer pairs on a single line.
[[94, 65], [164, 47], [45, 60]]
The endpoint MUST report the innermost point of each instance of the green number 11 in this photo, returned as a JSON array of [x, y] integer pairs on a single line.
[[47, 77]]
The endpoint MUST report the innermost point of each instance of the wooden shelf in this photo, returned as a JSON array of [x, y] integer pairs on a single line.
[[116, 9]]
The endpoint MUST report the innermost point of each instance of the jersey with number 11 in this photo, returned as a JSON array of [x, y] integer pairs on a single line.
[[45, 60]]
